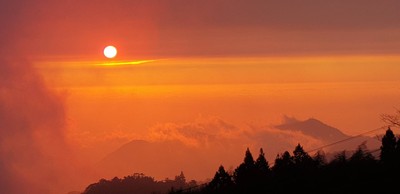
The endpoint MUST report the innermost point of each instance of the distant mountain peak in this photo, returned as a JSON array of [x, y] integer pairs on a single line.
[[312, 127]]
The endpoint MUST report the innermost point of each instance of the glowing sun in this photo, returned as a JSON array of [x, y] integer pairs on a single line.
[[110, 52]]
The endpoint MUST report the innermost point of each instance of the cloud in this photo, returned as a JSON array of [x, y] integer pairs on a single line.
[[204, 132], [215, 134], [34, 157]]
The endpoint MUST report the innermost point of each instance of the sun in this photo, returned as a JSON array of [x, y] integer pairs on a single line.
[[110, 52]]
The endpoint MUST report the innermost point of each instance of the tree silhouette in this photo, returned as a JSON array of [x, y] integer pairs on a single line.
[[261, 163], [137, 183], [360, 160], [300, 157], [340, 158], [397, 150], [248, 159], [388, 153], [362, 155], [319, 159], [262, 173], [222, 181], [392, 119], [180, 178], [245, 167], [245, 175], [283, 163]]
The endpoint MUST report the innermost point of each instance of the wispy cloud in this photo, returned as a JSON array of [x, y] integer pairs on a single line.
[[120, 63], [215, 133], [204, 132]]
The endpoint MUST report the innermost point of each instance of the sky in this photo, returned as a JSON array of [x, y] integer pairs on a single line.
[[181, 63]]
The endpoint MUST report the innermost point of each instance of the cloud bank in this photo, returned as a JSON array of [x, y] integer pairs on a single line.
[[34, 156]]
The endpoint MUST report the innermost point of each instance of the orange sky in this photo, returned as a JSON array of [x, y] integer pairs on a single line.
[[247, 63], [347, 92]]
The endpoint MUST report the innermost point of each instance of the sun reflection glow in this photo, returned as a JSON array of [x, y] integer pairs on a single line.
[[119, 63]]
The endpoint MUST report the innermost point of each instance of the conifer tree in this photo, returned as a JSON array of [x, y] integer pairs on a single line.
[[261, 163], [248, 159], [221, 180], [388, 147], [340, 158], [283, 163], [180, 180], [300, 156], [320, 159], [397, 151], [361, 154], [244, 173]]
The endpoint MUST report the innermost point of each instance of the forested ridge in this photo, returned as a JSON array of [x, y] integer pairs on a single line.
[[295, 172]]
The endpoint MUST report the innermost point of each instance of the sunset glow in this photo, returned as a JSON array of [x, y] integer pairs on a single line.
[[118, 63], [91, 91]]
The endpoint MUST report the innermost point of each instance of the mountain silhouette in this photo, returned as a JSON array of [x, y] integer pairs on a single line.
[[313, 128], [328, 134]]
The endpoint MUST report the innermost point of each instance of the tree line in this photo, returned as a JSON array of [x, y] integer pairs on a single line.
[[140, 184], [296, 172]]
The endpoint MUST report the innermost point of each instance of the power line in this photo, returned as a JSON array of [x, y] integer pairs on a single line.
[[344, 140]]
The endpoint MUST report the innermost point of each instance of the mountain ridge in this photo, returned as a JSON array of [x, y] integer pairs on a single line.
[[314, 128]]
